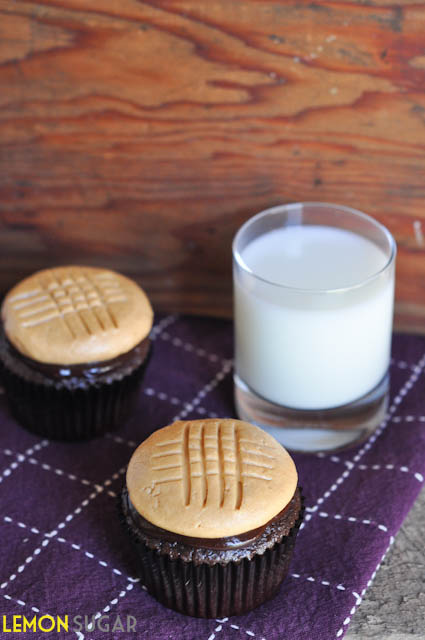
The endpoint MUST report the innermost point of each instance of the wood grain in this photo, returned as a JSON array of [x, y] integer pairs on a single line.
[[139, 135]]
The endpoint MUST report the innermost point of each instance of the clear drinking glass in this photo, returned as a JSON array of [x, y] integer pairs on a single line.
[[313, 309]]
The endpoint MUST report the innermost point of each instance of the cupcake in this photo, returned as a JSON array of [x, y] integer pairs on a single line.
[[74, 345], [213, 510]]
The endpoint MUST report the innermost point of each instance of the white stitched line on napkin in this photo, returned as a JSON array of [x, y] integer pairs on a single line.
[[191, 406], [162, 324], [338, 516], [321, 454], [187, 346], [20, 457], [26, 562], [129, 443], [222, 621], [98, 489], [112, 603], [402, 364], [216, 630], [163, 396], [21, 525], [62, 525], [20, 602], [408, 419], [74, 546], [375, 467], [248, 633], [325, 583], [417, 370], [159, 330], [358, 597], [59, 472], [237, 628], [378, 467]]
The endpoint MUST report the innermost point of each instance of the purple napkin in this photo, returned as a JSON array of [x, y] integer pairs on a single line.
[[63, 551]]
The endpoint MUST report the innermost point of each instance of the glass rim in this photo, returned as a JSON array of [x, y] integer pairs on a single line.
[[237, 257]]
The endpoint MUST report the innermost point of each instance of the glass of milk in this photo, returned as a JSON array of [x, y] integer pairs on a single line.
[[313, 296]]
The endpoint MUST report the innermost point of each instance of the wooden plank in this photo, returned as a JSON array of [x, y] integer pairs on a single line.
[[140, 135]]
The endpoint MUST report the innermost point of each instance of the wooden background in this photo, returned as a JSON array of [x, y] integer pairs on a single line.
[[139, 135]]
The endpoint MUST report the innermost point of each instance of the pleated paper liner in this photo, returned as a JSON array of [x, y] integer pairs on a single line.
[[59, 412], [206, 591]]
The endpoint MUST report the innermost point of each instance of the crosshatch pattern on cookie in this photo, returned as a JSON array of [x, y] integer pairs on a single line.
[[215, 456], [80, 300]]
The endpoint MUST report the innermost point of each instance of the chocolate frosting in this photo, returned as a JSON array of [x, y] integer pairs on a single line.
[[213, 550], [76, 375]]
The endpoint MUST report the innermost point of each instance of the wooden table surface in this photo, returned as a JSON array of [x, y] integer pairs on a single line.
[[140, 134]]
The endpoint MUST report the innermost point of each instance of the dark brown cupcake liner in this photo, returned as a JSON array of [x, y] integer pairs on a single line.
[[61, 411], [216, 591]]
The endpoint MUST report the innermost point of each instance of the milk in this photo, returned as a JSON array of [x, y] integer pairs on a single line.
[[297, 345]]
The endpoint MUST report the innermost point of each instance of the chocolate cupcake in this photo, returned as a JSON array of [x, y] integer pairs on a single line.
[[74, 345], [213, 510]]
